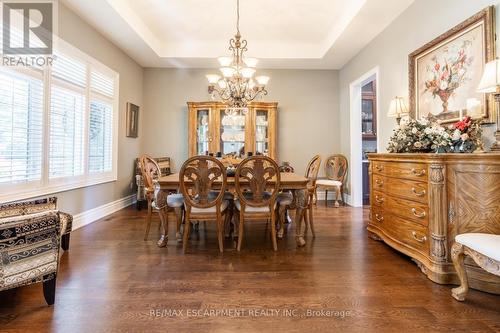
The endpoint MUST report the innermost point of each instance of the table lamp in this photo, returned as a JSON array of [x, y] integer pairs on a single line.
[[490, 83], [397, 109]]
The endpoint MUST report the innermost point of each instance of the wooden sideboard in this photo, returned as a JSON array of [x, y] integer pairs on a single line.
[[212, 130], [419, 202]]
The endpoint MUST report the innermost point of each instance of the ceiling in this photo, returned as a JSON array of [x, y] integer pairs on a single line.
[[307, 34]]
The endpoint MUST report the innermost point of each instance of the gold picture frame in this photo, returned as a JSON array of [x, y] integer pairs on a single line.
[[444, 73], [132, 120]]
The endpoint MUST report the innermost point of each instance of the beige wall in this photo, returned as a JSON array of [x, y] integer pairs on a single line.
[[420, 23], [308, 114], [78, 33]]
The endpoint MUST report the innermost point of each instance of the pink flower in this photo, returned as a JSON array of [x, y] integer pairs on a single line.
[[464, 137]]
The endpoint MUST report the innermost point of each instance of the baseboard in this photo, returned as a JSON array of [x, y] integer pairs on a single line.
[[94, 214]]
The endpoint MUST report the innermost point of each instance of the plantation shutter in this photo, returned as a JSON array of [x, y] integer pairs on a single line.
[[67, 108], [21, 126], [101, 123]]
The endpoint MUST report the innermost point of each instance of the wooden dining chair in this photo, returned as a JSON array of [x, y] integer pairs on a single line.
[[335, 172], [156, 199], [200, 177], [285, 200], [257, 183]]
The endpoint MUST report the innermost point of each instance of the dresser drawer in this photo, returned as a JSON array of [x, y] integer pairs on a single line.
[[415, 171], [410, 234], [408, 189], [407, 209]]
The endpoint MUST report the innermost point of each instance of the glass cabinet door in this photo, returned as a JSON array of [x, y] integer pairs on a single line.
[[262, 132], [232, 133], [202, 131]]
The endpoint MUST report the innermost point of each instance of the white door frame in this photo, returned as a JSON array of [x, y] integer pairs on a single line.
[[355, 141]]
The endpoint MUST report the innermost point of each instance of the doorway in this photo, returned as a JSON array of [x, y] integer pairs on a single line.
[[363, 129], [368, 130]]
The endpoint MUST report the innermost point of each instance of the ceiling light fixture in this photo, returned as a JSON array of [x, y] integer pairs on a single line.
[[237, 87]]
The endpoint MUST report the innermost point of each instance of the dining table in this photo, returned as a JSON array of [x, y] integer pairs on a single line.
[[289, 181]]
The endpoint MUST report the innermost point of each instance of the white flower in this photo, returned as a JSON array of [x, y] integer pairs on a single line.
[[456, 135], [446, 135], [424, 121], [428, 131], [414, 130]]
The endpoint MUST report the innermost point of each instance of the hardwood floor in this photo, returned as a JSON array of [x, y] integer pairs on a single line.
[[111, 280]]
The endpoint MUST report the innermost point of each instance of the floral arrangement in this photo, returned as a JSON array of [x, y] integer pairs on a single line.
[[427, 135], [447, 76], [466, 135]]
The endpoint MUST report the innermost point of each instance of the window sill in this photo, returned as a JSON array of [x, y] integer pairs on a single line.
[[17, 194]]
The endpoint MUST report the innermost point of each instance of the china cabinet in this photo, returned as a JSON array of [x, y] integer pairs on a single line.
[[212, 130]]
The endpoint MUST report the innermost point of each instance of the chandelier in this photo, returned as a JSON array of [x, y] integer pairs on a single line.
[[237, 86]]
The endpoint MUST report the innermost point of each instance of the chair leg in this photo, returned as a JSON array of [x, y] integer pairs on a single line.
[[310, 212], [220, 230], [148, 220], [457, 255], [178, 214], [315, 196], [273, 231], [49, 291], [326, 198], [162, 242], [240, 234], [337, 193], [281, 216], [65, 242], [187, 229]]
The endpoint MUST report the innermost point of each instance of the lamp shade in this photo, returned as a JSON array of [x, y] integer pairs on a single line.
[[262, 80], [491, 77], [397, 108], [213, 78]]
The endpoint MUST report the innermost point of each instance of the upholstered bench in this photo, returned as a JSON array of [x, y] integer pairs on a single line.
[[484, 249]]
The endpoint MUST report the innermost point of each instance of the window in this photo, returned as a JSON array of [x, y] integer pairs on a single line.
[[58, 126], [21, 113]]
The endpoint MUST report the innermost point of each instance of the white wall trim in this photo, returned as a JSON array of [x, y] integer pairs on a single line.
[[355, 140], [94, 214]]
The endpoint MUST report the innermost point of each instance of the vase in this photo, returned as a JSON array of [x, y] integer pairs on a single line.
[[444, 95]]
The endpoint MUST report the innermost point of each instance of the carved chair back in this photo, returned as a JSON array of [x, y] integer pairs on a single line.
[[336, 167], [257, 181], [199, 177], [150, 171], [313, 170]]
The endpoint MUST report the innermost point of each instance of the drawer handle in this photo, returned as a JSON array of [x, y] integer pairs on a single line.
[[420, 215], [420, 240], [418, 173], [418, 194], [379, 182], [379, 218], [379, 199], [379, 167]]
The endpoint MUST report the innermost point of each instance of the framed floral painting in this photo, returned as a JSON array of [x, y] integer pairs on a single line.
[[444, 74]]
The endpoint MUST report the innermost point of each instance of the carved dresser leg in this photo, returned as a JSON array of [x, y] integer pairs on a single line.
[[457, 255]]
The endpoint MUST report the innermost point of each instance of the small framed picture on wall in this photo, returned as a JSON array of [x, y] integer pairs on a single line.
[[132, 120]]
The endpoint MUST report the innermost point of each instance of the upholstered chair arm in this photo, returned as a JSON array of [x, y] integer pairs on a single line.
[[66, 222]]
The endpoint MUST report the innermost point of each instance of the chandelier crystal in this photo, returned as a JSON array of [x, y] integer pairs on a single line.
[[237, 85]]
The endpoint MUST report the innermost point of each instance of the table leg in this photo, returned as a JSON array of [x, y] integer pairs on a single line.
[[301, 202]]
